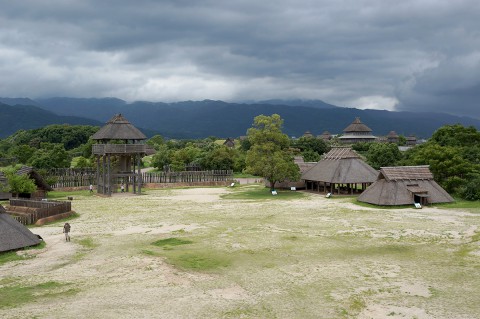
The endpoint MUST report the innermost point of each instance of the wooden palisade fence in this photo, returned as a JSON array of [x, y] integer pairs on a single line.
[[28, 211], [65, 178]]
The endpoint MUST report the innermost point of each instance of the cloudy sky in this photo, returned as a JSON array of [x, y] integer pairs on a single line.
[[396, 55]]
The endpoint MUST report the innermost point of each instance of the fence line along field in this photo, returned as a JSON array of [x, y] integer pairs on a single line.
[[234, 253]]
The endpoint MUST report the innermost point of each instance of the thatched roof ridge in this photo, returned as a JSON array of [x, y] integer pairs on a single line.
[[119, 128], [357, 126], [337, 153], [343, 171], [14, 235], [421, 172]]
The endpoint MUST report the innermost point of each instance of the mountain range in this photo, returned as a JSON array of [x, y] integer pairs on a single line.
[[199, 119]]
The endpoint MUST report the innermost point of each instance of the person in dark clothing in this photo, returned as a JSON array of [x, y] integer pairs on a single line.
[[66, 231]]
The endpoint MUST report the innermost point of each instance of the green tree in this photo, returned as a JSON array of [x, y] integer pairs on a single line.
[[19, 184], [221, 157], [23, 153], [311, 144], [50, 156], [161, 159], [269, 155], [310, 156], [383, 154]]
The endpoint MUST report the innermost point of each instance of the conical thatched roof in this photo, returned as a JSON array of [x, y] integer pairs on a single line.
[[399, 185], [119, 128], [341, 165], [357, 126], [14, 235]]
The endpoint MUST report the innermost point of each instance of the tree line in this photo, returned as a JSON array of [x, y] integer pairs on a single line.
[[453, 152]]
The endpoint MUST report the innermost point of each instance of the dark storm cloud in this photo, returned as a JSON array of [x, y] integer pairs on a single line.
[[378, 54]]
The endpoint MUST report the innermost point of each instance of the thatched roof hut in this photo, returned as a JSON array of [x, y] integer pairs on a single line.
[[405, 185], [14, 235], [340, 166], [37, 178], [119, 128], [357, 132]]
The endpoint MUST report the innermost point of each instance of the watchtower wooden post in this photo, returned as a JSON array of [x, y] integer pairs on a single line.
[[119, 146]]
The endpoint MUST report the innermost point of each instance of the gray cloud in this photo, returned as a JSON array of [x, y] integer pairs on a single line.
[[413, 55]]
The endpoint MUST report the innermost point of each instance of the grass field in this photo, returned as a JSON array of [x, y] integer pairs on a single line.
[[242, 253]]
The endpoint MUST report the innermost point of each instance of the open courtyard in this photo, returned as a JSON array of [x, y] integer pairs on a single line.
[[234, 253]]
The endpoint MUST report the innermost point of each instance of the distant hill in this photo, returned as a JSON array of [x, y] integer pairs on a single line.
[[25, 117], [199, 119]]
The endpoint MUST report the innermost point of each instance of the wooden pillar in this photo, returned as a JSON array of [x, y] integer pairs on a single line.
[[139, 175], [109, 178], [98, 171], [134, 176], [104, 174]]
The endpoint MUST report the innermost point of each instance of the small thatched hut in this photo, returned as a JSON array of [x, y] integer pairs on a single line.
[[14, 235], [342, 170], [405, 185], [42, 185]]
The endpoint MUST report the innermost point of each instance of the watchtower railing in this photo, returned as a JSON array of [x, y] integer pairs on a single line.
[[102, 149]]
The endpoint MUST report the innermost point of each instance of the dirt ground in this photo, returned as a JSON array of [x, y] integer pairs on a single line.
[[302, 258]]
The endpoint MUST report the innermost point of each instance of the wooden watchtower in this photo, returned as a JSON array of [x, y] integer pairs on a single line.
[[118, 150]]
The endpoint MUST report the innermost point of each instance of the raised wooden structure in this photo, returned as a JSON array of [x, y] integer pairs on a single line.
[[118, 153], [357, 132]]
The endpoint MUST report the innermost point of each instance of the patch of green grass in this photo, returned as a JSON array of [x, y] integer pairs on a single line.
[[261, 193], [463, 204], [88, 243], [203, 260], [59, 195], [14, 296], [171, 242], [244, 175], [13, 256]]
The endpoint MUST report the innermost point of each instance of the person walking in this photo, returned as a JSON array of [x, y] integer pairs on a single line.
[[66, 231], [91, 188], [122, 188]]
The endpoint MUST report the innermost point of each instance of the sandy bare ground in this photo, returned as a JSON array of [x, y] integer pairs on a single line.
[[304, 258]]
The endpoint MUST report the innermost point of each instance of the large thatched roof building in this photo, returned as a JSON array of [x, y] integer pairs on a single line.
[[14, 235], [405, 185], [341, 169], [357, 132]]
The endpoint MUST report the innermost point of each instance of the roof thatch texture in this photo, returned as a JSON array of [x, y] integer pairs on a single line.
[[357, 126], [421, 172], [14, 235], [37, 178], [341, 165], [398, 185], [119, 128]]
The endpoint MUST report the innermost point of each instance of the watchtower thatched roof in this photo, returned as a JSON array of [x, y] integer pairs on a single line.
[[14, 235], [341, 165], [404, 185], [357, 126], [119, 128]]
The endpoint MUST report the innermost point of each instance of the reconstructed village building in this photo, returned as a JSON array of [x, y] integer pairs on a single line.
[[341, 170], [405, 185]]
